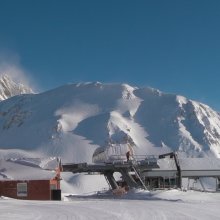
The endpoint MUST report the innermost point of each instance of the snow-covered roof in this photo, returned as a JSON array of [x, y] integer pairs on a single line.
[[208, 163], [25, 170]]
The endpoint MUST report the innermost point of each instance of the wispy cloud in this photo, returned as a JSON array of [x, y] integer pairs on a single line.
[[10, 65]]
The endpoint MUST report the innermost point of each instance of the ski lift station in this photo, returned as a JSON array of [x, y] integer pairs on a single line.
[[151, 172]]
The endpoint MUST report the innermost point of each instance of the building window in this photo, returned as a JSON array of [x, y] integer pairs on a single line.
[[22, 189]]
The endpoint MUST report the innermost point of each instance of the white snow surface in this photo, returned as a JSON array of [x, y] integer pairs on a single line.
[[27, 168], [73, 120], [207, 163], [170, 205], [87, 197]]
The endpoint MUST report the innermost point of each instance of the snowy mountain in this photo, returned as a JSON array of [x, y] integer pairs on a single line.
[[9, 88], [73, 120]]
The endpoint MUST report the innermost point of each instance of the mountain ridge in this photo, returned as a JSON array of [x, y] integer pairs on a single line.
[[9, 87], [71, 121]]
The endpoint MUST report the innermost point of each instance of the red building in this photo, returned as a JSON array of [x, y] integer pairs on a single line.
[[32, 189]]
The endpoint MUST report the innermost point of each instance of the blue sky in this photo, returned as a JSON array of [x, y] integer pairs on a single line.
[[172, 45]]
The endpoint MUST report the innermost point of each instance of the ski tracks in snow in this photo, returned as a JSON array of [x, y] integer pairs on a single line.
[[108, 210]]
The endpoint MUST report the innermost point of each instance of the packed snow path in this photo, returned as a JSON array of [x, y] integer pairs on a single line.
[[87, 209]]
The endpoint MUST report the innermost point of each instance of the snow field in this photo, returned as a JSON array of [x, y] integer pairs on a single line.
[[170, 205]]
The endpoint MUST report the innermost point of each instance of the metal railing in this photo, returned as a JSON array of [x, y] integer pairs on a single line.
[[134, 158]]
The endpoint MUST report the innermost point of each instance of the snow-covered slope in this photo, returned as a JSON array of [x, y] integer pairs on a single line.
[[73, 120], [9, 88], [171, 204]]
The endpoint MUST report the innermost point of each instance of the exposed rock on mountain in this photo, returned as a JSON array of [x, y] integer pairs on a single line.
[[9, 88]]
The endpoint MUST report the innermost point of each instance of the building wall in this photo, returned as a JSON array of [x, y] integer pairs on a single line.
[[36, 189]]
